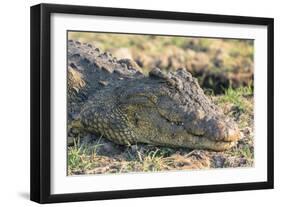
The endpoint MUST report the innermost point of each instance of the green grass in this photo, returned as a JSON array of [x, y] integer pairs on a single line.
[[81, 157], [151, 161], [235, 97], [243, 151], [78, 159], [246, 152]]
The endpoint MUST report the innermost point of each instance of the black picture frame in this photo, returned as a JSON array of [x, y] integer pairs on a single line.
[[41, 97]]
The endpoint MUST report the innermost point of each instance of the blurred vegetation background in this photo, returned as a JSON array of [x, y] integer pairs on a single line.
[[217, 63]]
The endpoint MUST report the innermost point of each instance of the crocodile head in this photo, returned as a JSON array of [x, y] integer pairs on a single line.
[[171, 109]]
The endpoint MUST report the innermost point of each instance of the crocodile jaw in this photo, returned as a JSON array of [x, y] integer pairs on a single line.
[[215, 132], [216, 128], [226, 138]]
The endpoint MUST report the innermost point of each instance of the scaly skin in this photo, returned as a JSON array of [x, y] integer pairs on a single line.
[[114, 99]]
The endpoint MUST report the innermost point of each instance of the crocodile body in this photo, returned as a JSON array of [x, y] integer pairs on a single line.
[[113, 98]]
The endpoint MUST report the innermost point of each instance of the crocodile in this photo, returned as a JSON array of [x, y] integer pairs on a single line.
[[115, 99]]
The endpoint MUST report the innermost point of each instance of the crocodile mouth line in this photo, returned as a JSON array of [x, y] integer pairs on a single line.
[[201, 138]]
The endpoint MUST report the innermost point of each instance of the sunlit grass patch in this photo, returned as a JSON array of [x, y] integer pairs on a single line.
[[235, 97], [78, 160], [81, 157], [151, 161]]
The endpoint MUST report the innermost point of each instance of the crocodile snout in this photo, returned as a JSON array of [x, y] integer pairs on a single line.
[[222, 130], [214, 126], [232, 134]]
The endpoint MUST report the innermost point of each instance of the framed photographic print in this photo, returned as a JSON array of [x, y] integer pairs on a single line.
[[133, 103]]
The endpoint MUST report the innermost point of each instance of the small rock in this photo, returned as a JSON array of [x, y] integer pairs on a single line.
[[219, 161]]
